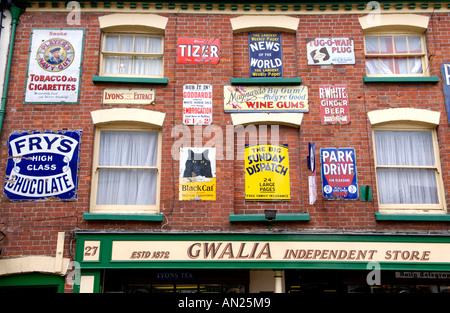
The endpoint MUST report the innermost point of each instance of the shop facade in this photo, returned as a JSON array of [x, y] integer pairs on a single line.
[[225, 147]]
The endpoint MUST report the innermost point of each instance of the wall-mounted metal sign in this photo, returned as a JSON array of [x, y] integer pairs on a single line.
[[445, 71], [42, 165], [334, 104], [321, 51], [197, 104], [257, 99], [128, 96], [54, 66], [198, 51], [339, 173], [265, 55]]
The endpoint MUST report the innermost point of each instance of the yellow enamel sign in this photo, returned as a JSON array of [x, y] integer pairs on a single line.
[[267, 173]]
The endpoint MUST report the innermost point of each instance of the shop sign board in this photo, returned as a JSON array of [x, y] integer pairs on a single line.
[[267, 173], [339, 173], [334, 104], [445, 71], [129, 96], [197, 104], [197, 174], [323, 51], [42, 165], [198, 51], [269, 99], [54, 66], [265, 55], [284, 251]]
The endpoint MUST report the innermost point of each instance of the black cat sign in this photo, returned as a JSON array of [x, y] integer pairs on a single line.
[[197, 174]]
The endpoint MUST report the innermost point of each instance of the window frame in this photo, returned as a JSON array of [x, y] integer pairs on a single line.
[[123, 208], [413, 208], [423, 55], [135, 34]]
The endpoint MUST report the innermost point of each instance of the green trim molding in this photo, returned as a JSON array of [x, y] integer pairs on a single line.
[[425, 79], [280, 217], [413, 217], [33, 280], [266, 81], [123, 217], [130, 80]]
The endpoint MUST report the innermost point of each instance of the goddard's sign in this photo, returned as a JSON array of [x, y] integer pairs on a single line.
[[339, 173], [42, 165], [321, 51], [54, 66], [271, 99]]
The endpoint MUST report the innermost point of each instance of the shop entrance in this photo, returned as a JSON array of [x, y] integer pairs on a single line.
[[175, 281]]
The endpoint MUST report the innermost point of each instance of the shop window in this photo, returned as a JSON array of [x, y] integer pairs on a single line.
[[407, 166]]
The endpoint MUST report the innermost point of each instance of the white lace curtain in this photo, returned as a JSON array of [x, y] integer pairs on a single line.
[[133, 64], [394, 45], [405, 185], [127, 186]]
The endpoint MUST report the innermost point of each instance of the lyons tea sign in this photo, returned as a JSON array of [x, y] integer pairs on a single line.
[[42, 165]]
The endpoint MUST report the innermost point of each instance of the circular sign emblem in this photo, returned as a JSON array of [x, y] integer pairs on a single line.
[[55, 55]]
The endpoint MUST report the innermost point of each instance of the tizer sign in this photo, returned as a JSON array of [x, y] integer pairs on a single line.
[[42, 166], [339, 173], [198, 51]]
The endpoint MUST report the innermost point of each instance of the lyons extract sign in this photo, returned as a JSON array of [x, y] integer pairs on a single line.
[[42, 165], [197, 104], [267, 173], [269, 99], [198, 51], [265, 55], [54, 66], [322, 51], [339, 173]]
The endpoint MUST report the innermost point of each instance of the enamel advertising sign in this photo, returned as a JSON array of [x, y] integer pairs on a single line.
[[322, 51], [43, 165], [54, 66], [445, 71], [198, 51], [197, 104], [270, 99], [265, 55], [339, 173], [267, 173], [334, 104]]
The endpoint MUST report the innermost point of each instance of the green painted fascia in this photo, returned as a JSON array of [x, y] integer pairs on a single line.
[[130, 80], [123, 217], [427, 79], [280, 217], [33, 280], [413, 217], [266, 81]]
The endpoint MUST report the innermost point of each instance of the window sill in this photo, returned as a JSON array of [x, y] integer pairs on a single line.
[[280, 217], [425, 79], [123, 217], [130, 80], [413, 217], [266, 81]]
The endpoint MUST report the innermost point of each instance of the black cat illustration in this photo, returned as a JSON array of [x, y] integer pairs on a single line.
[[197, 164]]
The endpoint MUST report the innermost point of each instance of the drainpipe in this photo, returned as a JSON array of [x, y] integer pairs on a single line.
[[15, 14]]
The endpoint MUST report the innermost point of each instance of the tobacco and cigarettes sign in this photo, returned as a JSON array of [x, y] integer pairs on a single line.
[[267, 173], [334, 104], [271, 99], [321, 51], [197, 104], [198, 51], [265, 55], [42, 165], [339, 173], [54, 66]]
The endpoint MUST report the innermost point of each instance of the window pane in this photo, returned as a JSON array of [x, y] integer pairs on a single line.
[[128, 148], [407, 186], [111, 65], [126, 44], [126, 65], [154, 45], [155, 66], [126, 187], [404, 148], [401, 66], [386, 66], [372, 66], [386, 45], [415, 44], [372, 45], [140, 44], [141, 66], [400, 45], [111, 43], [415, 66]]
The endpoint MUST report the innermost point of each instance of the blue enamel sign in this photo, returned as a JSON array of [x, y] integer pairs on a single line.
[[445, 71], [265, 55], [339, 173], [42, 166]]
